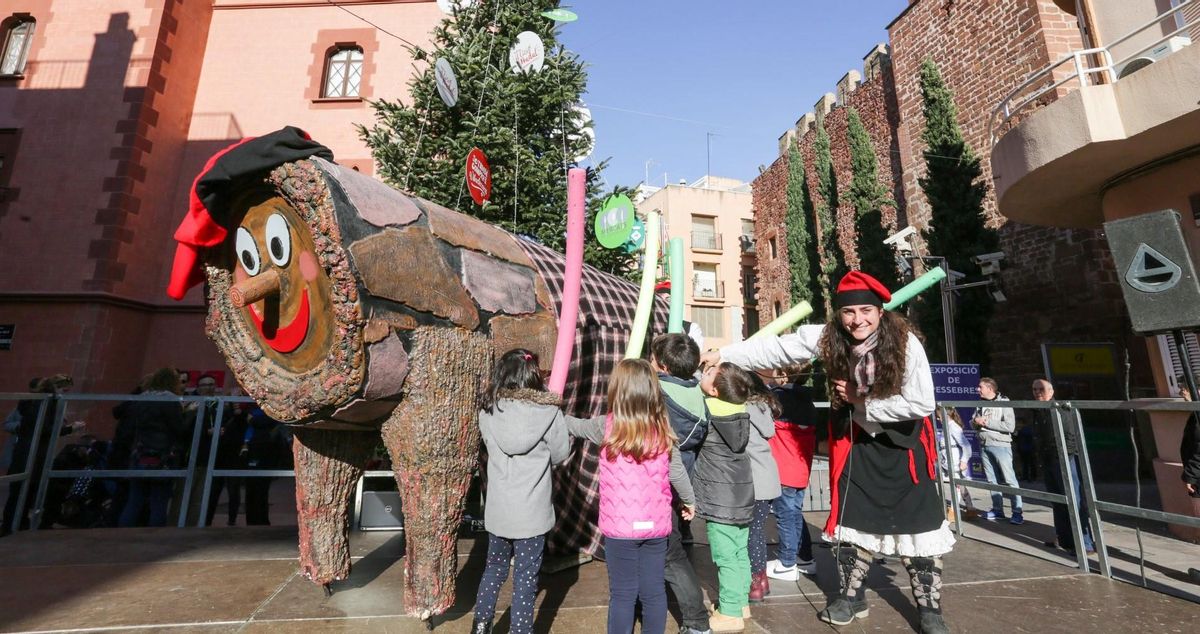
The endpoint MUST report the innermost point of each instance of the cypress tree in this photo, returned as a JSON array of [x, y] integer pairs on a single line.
[[833, 262], [801, 245], [868, 196], [526, 124], [957, 225]]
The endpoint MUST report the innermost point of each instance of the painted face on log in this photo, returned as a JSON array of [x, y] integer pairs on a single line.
[[279, 286], [283, 301]]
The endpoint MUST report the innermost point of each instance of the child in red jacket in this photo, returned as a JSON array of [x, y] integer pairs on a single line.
[[793, 446]]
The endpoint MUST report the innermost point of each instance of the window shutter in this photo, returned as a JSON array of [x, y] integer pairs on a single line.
[[1171, 361]]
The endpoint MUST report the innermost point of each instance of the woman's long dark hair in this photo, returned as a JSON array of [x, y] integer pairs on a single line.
[[762, 394], [835, 351], [517, 369]]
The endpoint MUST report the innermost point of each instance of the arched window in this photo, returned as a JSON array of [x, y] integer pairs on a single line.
[[343, 72], [17, 32]]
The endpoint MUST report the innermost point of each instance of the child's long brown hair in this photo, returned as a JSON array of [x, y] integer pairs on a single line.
[[640, 428]]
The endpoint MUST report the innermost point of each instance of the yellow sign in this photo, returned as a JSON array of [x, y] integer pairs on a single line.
[[1081, 360]]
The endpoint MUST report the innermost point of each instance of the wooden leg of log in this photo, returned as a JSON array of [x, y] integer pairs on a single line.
[[328, 466], [433, 439]]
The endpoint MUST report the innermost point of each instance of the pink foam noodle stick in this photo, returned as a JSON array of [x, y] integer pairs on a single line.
[[569, 315]]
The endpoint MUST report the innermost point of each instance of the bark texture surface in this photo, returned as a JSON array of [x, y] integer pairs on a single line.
[[433, 439], [328, 466]]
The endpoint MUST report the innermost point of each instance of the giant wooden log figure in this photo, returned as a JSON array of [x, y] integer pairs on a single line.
[[346, 308]]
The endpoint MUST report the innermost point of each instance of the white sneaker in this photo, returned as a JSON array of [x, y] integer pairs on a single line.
[[808, 567], [776, 570]]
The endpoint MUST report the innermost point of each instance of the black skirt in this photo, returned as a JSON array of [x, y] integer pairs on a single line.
[[876, 492]]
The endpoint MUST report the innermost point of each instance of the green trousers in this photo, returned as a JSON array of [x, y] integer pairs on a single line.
[[728, 544]]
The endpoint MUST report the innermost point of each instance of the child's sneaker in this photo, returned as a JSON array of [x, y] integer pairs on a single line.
[[776, 570], [994, 516], [807, 566], [1018, 518]]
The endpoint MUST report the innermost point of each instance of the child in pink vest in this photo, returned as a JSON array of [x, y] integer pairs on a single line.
[[638, 467]]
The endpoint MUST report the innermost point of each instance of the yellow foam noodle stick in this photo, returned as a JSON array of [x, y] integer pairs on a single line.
[[641, 318], [785, 321]]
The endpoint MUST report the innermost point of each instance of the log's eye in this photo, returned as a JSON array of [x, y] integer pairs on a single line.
[[247, 252], [279, 240]]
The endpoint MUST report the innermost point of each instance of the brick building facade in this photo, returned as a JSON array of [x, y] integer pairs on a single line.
[[1061, 284], [102, 130]]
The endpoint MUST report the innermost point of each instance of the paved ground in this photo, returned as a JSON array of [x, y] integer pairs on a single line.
[[245, 579]]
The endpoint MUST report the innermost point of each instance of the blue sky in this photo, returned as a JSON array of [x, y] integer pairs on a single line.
[[744, 71]]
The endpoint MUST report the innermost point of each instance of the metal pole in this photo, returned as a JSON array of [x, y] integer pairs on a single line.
[[30, 461], [948, 314], [1089, 494], [191, 466], [951, 469], [1068, 478], [60, 412], [212, 460]]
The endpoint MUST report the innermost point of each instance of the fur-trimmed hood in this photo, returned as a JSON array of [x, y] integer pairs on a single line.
[[537, 397], [520, 418]]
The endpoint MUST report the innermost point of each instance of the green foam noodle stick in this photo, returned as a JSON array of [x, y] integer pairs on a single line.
[[675, 249], [785, 321], [641, 318], [915, 287]]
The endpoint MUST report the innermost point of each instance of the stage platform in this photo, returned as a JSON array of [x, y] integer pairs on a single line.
[[245, 580]]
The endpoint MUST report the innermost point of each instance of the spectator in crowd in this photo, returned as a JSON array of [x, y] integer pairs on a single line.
[[12, 426], [23, 448], [996, 425], [960, 460], [154, 430], [229, 446], [262, 448], [1043, 422], [206, 386]]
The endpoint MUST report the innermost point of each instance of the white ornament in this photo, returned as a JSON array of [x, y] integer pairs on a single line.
[[447, 83], [527, 53]]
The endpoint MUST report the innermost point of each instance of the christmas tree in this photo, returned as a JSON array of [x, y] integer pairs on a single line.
[[528, 124], [957, 226], [868, 197]]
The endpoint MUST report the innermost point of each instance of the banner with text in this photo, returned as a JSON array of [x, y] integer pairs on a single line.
[[960, 382]]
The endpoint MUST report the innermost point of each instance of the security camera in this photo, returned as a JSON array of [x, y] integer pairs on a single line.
[[989, 263], [900, 240]]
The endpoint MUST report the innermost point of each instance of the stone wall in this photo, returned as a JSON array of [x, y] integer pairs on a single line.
[[876, 106]]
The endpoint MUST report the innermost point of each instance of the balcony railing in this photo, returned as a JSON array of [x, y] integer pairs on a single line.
[[1087, 67], [705, 240], [708, 289]]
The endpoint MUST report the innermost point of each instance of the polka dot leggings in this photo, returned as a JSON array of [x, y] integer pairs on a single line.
[[757, 547], [528, 554]]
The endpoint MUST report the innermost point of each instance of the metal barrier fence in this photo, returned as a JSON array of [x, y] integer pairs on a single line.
[[1069, 413], [1063, 413]]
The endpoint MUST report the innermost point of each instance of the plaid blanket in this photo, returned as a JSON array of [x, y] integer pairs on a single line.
[[606, 308]]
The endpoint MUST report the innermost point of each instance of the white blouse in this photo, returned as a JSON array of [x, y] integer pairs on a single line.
[[915, 400]]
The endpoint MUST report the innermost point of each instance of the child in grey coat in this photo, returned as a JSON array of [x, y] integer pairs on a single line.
[[524, 432]]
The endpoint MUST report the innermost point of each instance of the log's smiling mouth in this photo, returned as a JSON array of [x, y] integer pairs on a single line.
[[287, 338]]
